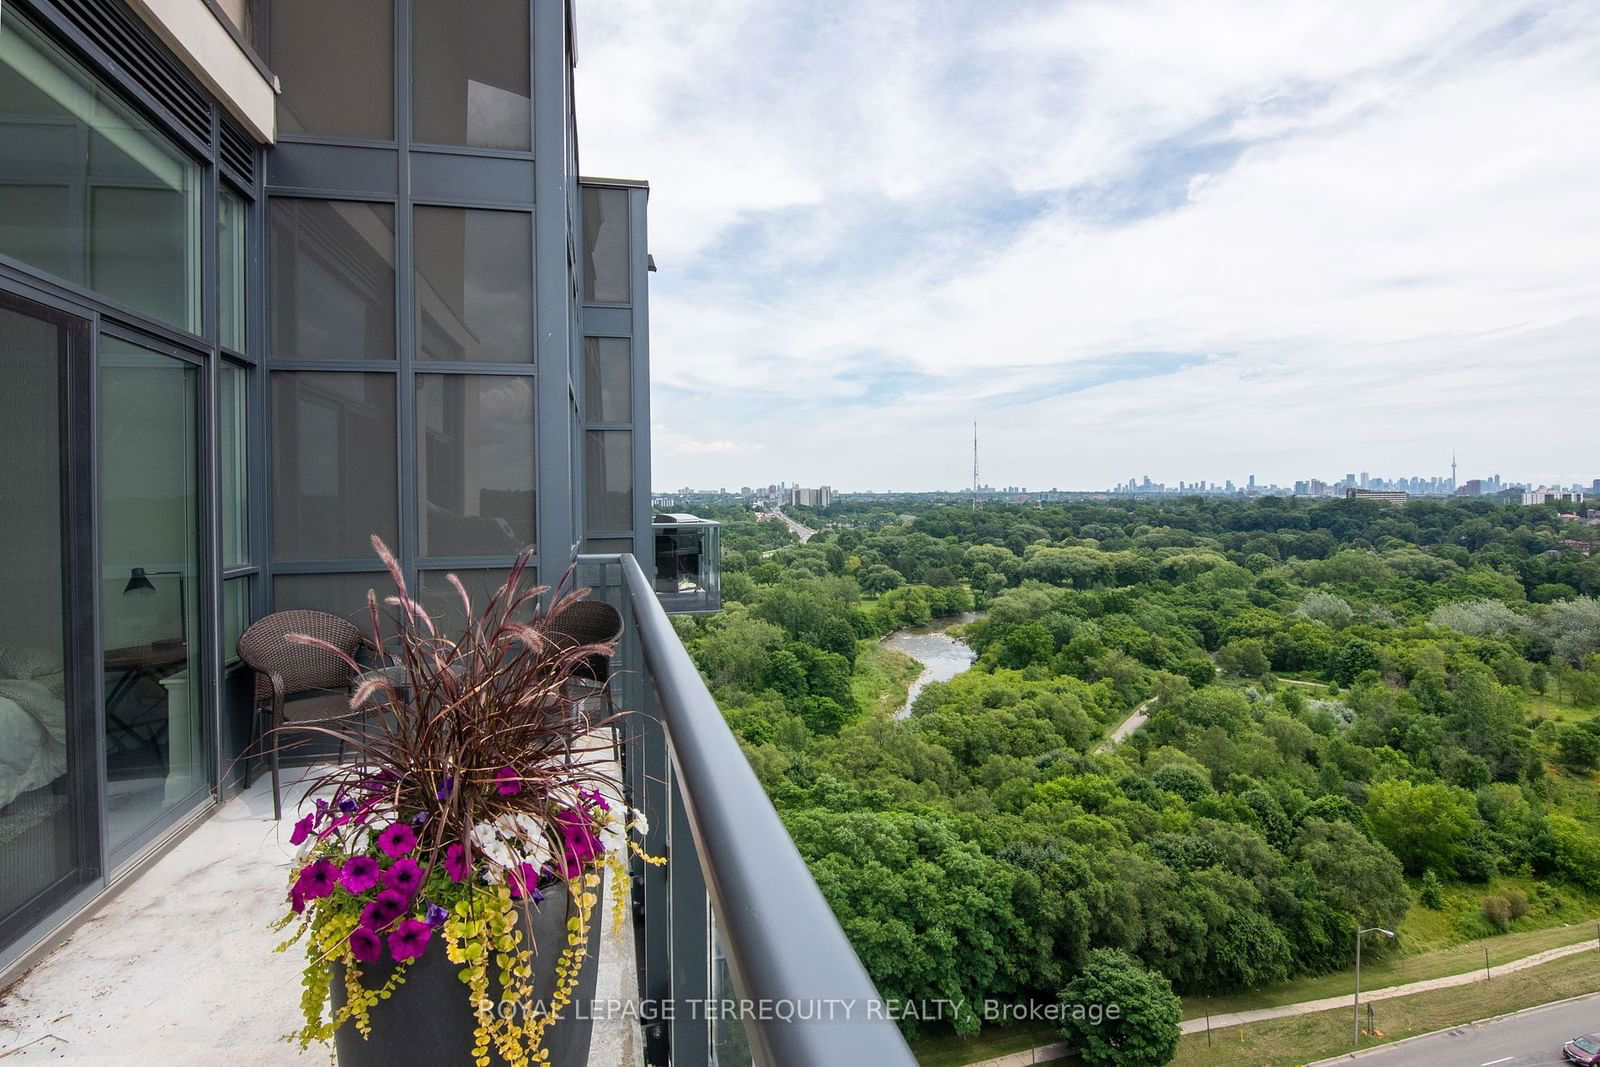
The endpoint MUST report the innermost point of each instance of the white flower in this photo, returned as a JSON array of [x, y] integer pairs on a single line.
[[641, 824]]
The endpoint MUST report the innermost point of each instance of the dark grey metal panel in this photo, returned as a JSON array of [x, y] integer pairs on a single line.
[[607, 321], [330, 169], [459, 178]]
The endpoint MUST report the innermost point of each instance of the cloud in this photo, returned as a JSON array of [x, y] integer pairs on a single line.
[[1198, 240]]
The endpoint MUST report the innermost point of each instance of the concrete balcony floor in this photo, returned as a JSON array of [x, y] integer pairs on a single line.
[[178, 968]]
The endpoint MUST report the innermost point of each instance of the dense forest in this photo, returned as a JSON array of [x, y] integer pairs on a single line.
[[1354, 708]]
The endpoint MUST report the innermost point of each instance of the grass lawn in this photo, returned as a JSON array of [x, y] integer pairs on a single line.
[[947, 1050], [1303, 1038], [1379, 972], [1549, 707], [882, 678]]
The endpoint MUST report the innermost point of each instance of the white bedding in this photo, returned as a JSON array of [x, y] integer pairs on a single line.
[[33, 737]]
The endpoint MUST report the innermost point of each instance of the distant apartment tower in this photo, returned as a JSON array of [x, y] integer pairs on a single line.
[[1385, 496], [820, 497], [1547, 495]]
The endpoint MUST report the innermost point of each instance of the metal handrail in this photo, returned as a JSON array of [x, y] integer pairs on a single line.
[[781, 939]]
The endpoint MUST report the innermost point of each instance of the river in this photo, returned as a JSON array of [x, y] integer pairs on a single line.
[[942, 656]]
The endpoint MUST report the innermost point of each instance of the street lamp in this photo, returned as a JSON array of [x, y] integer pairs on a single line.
[[1356, 1009]]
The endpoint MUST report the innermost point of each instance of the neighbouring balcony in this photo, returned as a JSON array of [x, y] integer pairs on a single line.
[[688, 564], [732, 956]]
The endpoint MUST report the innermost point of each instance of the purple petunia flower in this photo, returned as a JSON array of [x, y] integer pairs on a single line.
[[302, 830], [297, 900], [436, 915], [580, 845], [322, 809], [385, 909], [347, 805], [404, 877], [508, 781], [419, 820], [360, 874], [365, 946], [316, 880], [455, 863], [445, 789], [397, 839], [409, 940], [523, 881], [594, 799]]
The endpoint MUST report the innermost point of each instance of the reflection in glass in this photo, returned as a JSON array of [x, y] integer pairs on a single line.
[[332, 279], [333, 464], [231, 423], [470, 74], [605, 241], [475, 464], [150, 623], [608, 476], [235, 615], [608, 380], [335, 59], [443, 604], [90, 191], [37, 803], [230, 270], [474, 284], [344, 595]]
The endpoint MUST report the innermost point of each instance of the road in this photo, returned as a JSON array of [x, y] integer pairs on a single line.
[[805, 533], [1526, 1039], [1127, 726]]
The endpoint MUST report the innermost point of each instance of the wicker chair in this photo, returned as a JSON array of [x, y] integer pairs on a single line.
[[589, 622], [285, 669]]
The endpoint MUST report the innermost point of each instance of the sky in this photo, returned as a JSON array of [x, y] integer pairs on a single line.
[[1194, 239]]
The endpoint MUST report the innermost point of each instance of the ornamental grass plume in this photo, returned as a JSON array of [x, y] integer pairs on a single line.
[[478, 785]]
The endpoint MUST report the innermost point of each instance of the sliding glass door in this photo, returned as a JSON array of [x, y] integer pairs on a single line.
[[150, 588], [47, 796]]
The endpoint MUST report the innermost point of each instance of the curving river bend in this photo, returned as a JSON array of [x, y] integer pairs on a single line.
[[942, 656]]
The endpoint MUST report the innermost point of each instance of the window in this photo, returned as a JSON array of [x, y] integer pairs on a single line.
[[474, 284], [443, 604], [605, 240], [608, 476], [332, 280], [333, 464], [475, 449], [608, 380], [344, 595], [235, 615], [335, 60], [89, 191], [471, 74], [230, 271], [232, 420]]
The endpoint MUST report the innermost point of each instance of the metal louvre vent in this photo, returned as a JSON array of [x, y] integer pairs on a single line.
[[116, 33], [238, 154]]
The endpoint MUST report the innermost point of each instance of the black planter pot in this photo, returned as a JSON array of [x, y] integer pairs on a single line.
[[428, 1022]]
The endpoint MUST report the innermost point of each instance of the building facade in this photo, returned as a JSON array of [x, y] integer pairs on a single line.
[[276, 276]]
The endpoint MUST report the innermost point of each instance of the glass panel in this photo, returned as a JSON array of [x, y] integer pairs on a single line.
[[443, 603], [608, 380], [608, 474], [335, 59], [230, 270], [470, 73], [730, 1044], [90, 191], [235, 615], [332, 279], [605, 240], [232, 418], [333, 464], [242, 14], [37, 801], [474, 281], [475, 466], [344, 595], [150, 623], [605, 545]]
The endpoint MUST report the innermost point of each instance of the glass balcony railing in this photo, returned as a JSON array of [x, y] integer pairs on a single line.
[[688, 564], [736, 946]]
